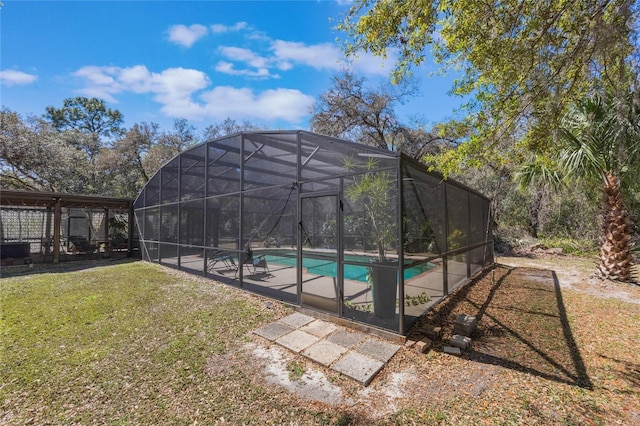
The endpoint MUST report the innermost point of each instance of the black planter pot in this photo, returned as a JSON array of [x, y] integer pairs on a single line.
[[384, 286]]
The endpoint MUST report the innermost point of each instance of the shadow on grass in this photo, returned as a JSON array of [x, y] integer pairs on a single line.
[[67, 266], [522, 324]]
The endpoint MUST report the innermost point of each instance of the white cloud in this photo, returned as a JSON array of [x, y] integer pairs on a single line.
[[327, 56], [244, 55], [99, 82], [281, 55], [15, 78], [176, 85], [169, 86], [220, 28], [98, 76], [276, 104], [137, 79], [284, 65], [186, 36], [228, 68], [179, 91], [318, 56], [285, 55]]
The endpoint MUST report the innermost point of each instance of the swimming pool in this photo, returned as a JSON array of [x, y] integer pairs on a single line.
[[329, 268]]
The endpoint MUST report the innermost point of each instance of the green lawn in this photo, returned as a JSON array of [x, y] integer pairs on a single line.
[[129, 344]]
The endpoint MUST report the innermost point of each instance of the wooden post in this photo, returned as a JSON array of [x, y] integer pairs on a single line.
[[106, 233], [130, 230], [47, 233], [57, 224]]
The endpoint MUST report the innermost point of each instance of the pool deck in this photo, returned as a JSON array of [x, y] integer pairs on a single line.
[[280, 284], [321, 292], [357, 355]]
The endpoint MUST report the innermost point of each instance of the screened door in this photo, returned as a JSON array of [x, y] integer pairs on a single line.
[[321, 269]]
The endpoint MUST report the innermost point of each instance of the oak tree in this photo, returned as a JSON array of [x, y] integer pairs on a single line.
[[351, 110], [34, 155], [520, 62]]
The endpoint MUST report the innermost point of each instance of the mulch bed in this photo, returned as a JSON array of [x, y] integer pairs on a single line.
[[541, 355]]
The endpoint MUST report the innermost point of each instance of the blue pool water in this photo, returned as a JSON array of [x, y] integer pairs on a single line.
[[351, 272]]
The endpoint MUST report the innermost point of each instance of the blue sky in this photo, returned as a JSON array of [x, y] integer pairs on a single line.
[[261, 61]]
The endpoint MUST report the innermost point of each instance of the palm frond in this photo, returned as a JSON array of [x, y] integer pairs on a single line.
[[538, 170]]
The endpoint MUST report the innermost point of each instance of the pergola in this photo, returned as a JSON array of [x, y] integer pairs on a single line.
[[55, 202]]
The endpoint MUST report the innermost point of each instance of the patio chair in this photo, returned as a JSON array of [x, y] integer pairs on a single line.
[[225, 259], [260, 262], [250, 261]]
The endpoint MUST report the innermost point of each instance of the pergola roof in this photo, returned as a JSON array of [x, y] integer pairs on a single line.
[[48, 199]]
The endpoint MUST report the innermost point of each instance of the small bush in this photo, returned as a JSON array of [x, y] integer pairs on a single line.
[[577, 247]]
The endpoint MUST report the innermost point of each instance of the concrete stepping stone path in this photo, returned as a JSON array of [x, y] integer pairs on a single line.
[[357, 355]]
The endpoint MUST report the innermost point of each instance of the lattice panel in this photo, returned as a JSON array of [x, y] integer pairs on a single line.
[[24, 225]]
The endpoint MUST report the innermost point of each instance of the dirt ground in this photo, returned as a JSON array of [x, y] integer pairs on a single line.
[[542, 354], [578, 274]]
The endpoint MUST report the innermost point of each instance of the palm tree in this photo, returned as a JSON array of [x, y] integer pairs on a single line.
[[599, 140]]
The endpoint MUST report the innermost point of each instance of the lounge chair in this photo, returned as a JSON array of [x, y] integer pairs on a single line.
[[250, 261], [260, 262], [225, 259]]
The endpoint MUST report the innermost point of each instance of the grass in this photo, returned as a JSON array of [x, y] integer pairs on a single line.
[[571, 246], [135, 343], [129, 344], [295, 369]]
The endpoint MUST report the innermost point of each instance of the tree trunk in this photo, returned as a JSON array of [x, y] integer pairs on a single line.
[[615, 252], [533, 219]]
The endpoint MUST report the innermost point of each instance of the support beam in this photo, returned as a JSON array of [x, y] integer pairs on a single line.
[[47, 234], [131, 231], [106, 233], [57, 225]]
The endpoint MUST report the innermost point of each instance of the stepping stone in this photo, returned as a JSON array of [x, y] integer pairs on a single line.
[[452, 350], [323, 352], [273, 331], [410, 343], [460, 341], [296, 320], [346, 338], [465, 325], [376, 349], [423, 345], [431, 331], [319, 328], [297, 340], [358, 367]]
